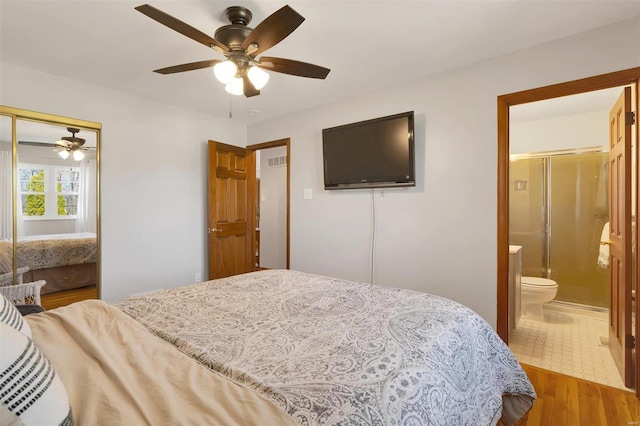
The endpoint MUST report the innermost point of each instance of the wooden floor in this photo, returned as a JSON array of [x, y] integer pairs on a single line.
[[564, 400], [67, 297]]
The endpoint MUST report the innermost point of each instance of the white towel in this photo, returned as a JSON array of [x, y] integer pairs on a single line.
[[602, 193], [603, 254]]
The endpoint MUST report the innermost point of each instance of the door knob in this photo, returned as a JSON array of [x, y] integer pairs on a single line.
[[605, 243], [210, 230]]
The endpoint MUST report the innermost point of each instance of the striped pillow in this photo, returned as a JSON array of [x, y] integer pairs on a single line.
[[10, 315], [30, 391]]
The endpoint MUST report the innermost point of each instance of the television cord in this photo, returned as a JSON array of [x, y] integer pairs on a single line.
[[373, 233]]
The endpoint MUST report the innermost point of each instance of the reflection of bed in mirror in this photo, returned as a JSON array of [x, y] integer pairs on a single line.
[[64, 261]]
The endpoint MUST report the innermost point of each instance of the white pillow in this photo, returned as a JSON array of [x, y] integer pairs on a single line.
[[11, 316], [31, 392]]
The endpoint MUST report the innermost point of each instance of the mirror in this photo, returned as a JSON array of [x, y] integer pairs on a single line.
[[54, 205]]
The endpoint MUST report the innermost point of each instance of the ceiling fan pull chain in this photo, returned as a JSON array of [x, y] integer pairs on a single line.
[[230, 104]]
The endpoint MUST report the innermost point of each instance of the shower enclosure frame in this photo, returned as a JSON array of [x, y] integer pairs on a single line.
[[546, 156]]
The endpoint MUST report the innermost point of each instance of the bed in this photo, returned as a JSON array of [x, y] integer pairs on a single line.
[[280, 347], [64, 261]]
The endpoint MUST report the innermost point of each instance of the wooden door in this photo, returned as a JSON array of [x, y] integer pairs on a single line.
[[620, 333], [229, 232]]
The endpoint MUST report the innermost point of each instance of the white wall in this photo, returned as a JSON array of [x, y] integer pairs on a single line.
[[153, 176], [568, 132], [273, 210], [439, 237]]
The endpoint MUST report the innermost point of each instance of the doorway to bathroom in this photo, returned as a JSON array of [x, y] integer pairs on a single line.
[[567, 244]]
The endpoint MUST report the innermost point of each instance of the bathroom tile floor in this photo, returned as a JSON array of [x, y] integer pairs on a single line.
[[571, 341]]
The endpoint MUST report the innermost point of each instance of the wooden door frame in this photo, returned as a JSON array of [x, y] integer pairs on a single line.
[[604, 81], [251, 176]]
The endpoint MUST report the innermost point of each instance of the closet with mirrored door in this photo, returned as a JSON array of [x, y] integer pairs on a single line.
[[49, 208]]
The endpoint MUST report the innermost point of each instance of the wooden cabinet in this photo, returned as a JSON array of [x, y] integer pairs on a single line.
[[515, 280]]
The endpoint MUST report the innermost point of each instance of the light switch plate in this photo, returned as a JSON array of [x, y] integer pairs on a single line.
[[308, 194]]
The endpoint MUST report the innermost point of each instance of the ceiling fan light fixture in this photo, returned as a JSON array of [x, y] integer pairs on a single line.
[[258, 77], [225, 71], [77, 155], [235, 86], [64, 154]]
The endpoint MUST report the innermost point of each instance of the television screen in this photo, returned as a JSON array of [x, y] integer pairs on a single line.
[[377, 153]]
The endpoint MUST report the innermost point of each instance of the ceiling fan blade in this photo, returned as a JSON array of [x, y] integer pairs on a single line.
[[181, 27], [33, 143], [187, 67], [275, 28], [289, 66], [249, 88]]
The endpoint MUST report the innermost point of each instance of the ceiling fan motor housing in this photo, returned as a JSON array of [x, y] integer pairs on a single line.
[[73, 139], [234, 35]]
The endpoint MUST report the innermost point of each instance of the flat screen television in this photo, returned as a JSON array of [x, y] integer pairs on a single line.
[[377, 153]]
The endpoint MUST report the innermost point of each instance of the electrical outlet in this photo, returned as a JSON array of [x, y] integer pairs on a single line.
[[198, 277]]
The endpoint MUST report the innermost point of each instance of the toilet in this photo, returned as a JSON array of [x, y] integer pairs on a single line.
[[535, 291]]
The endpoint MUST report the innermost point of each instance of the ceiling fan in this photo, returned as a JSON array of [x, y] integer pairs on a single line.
[[242, 72], [66, 146]]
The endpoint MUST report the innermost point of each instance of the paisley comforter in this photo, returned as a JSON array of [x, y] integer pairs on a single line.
[[50, 251], [329, 351]]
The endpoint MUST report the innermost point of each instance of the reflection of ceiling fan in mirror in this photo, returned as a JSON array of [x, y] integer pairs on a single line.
[[68, 145]]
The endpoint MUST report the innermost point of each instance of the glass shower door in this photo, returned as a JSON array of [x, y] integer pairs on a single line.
[[579, 210]]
